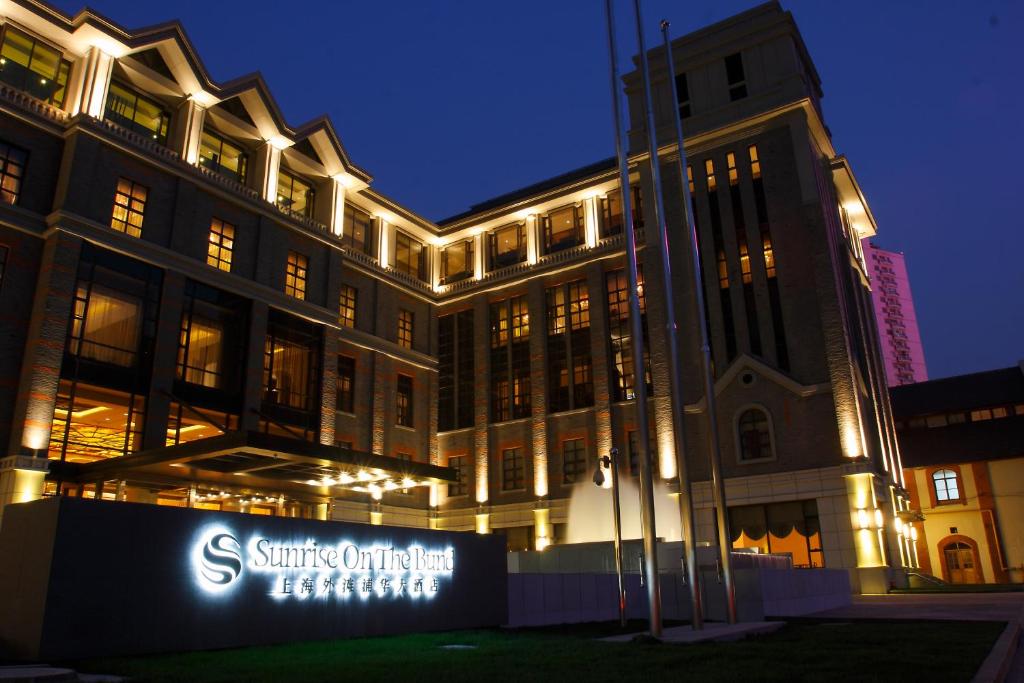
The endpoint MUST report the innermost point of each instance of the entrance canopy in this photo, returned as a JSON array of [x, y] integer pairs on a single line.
[[259, 462]]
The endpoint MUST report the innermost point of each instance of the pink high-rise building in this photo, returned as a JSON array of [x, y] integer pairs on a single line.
[[894, 312]]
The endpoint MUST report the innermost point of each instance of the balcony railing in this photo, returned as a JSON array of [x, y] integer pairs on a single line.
[[26, 102]]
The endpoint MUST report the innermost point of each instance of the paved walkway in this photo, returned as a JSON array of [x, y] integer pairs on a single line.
[[955, 606], [711, 632]]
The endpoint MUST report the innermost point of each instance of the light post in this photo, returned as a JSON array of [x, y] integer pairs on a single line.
[[611, 461]]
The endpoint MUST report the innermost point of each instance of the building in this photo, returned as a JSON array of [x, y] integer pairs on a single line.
[[962, 440], [206, 306], [897, 321]]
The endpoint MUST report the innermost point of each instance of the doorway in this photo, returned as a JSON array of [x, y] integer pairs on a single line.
[[961, 563]]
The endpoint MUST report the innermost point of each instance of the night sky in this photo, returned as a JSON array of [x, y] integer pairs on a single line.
[[450, 103]]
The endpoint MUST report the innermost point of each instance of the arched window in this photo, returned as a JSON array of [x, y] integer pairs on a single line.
[[755, 438], [947, 486]]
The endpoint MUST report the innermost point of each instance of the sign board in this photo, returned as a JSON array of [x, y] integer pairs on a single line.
[[87, 578]]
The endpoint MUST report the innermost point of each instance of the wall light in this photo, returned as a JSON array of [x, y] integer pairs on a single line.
[[879, 519], [862, 518]]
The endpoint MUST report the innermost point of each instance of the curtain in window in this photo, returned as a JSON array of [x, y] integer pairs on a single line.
[[111, 327]]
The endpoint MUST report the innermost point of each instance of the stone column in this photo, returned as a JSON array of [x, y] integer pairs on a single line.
[[337, 202], [591, 222], [329, 387], [91, 93], [536, 303], [266, 165], [381, 383], [481, 403]]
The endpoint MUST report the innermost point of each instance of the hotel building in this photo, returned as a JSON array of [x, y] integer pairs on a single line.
[[897, 321], [204, 305]]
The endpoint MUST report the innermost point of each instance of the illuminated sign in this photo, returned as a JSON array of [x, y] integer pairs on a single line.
[[314, 569]]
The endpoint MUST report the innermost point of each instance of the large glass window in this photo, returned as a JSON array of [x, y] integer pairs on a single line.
[[403, 401], [754, 435], [456, 379], [106, 325], [611, 211], [129, 207], [296, 269], [405, 322], [201, 351], [410, 256], [357, 230], [211, 335], [510, 359], [137, 113], [294, 194], [457, 262], [620, 335], [346, 387], [460, 486], [33, 67], [947, 486], [513, 469], [789, 528], [563, 229], [188, 423], [92, 423], [221, 246], [507, 246], [12, 170], [570, 371], [574, 461], [347, 306], [223, 156], [289, 371]]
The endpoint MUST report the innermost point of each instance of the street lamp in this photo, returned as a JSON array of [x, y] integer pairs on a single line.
[[611, 462]]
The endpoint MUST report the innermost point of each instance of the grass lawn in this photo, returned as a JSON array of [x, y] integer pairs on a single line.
[[802, 650]]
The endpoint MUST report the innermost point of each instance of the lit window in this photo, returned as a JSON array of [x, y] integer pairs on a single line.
[[754, 435], [290, 369], [410, 256], [405, 320], [735, 77], [222, 244], [520, 318], [200, 351], [569, 364], [689, 179], [457, 262], [709, 170], [513, 469], [357, 230], [106, 325], [947, 486], [574, 461], [347, 306], [730, 162], [620, 334], [92, 423], [611, 211], [137, 113], [222, 156], [129, 207], [12, 170], [295, 275], [33, 67], [403, 401], [346, 387], [745, 262], [981, 415], [294, 195], [769, 254], [458, 487], [563, 229], [510, 360], [507, 246]]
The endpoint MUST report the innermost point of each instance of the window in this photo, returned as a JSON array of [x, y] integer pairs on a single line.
[[222, 156], [947, 486], [403, 402], [981, 415], [743, 249], [410, 256], [33, 67], [347, 306], [633, 453], [129, 207], [295, 275], [789, 528], [507, 246], [201, 350], [510, 359], [457, 262], [93, 423], [346, 387], [357, 230], [405, 319], [563, 229], [190, 423], [222, 244], [456, 378], [294, 195], [574, 461], [755, 439], [12, 170], [570, 371], [137, 113], [611, 211], [106, 325], [620, 335], [735, 77], [513, 470], [683, 95], [458, 487]]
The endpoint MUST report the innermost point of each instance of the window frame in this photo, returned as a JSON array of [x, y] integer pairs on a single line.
[[296, 275], [348, 301], [7, 164], [496, 260], [518, 469], [958, 482], [351, 214], [346, 370], [294, 178], [580, 466], [63, 67], [406, 325], [578, 229], [405, 416], [131, 123], [214, 164], [734, 67], [469, 268], [738, 434], [404, 240], [460, 487], [220, 243]]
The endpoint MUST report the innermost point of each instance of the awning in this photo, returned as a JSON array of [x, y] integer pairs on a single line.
[[262, 462]]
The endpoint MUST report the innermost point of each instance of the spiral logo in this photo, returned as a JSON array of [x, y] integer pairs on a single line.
[[218, 561]]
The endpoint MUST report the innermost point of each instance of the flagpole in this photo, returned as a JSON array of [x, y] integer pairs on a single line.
[[647, 521], [714, 448], [660, 238]]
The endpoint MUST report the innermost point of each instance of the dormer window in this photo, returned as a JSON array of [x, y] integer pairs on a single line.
[[357, 230], [410, 256], [137, 113], [220, 155], [294, 194], [457, 262], [33, 67], [507, 245], [563, 229]]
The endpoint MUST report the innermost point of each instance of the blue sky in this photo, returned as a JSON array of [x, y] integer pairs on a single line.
[[449, 103]]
